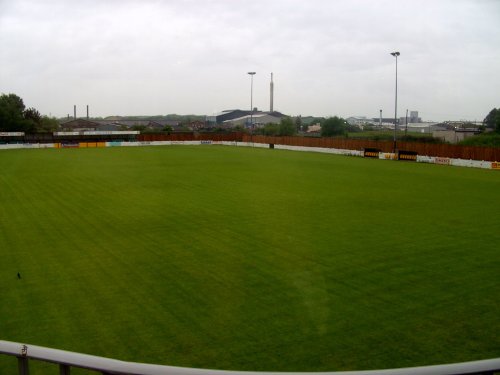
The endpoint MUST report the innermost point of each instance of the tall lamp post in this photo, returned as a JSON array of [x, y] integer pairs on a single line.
[[251, 100], [395, 54]]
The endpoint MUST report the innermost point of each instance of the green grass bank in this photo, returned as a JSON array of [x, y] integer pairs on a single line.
[[248, 259]]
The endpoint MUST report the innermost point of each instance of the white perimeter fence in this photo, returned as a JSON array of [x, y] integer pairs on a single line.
[[67, 360], [382, 155]]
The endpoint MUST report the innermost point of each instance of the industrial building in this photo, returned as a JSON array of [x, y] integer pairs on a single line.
[[247, 118], [244, 118]]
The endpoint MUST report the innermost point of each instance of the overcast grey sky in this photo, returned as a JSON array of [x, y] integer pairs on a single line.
[[133, 57]]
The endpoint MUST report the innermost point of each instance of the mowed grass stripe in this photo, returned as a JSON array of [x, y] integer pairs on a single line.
[[251, 259]]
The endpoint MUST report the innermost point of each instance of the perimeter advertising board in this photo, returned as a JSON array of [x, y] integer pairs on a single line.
[[371, 153]]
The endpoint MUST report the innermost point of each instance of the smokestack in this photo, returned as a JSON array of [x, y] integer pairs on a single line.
[[380, 119], [74, 112], [272, 93], [87, 112]]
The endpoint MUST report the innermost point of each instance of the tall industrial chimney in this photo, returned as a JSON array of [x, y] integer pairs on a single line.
[[272, 93], [380, 119], [74, 112], [87, 112]]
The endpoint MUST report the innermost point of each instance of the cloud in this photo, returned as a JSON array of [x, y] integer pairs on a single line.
[[185, 56]]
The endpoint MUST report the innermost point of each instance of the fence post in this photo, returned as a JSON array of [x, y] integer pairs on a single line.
[[64, 369], [23, 366]]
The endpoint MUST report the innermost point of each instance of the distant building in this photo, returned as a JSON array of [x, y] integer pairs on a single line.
[[357, 120], [79, 125], [258, 120], [422, 127], [115, 125], [196, 125], [314, 129], [230, 115], [385, 120], [219, 118], [456, 135], [414, 117], [111, 126]]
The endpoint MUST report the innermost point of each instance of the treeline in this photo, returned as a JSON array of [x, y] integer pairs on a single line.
[[490, 139], [15, 117], [181, 119], [332, 126]]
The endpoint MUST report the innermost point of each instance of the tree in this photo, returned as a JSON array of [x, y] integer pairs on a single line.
[[12, 113], [491, 139], [353, 128], [490, 120], [33, 115], [298, 123], [287, 127], [333, 126], [239, 128], [15, 117], [271, 129], [47, 125], [33, 119]]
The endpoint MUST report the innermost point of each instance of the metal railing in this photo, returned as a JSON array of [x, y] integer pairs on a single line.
[[66, 360]]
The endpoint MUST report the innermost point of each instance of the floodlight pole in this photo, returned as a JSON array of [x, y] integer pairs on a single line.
[[406, 127], [251, 101], [395, 54]]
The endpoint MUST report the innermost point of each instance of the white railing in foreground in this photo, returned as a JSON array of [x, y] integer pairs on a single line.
[[66, 360]]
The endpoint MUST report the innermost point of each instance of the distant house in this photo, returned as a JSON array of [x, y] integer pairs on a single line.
[[115, 125], [111, 126], [455, 136], [155, 125], [314, 129], [121, 124], [77, 125], [161, 124], [195, 125]]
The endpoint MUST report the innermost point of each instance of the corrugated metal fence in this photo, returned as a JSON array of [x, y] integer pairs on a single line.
[[429, 149]]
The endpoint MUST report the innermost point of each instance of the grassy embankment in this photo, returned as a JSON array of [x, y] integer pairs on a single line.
[[248, 259]]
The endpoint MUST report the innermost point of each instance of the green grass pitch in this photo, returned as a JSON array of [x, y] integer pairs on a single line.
[[248, 259]]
